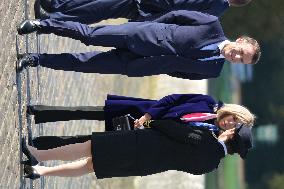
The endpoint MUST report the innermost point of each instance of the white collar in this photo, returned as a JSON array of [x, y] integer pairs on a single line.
[[222, 45], [228, 2]]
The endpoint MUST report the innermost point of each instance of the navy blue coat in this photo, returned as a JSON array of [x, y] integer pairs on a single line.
[[92, 11], [171, 46], [169, 107]]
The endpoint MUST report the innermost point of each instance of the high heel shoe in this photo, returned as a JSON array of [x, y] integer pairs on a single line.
[[30, 172], [31, 159]]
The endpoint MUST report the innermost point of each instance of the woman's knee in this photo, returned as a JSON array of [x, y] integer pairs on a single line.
[[89, 164], [87, 148]]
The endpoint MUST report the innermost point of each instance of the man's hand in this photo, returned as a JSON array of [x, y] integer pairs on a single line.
[[139, 122], [228, 134]]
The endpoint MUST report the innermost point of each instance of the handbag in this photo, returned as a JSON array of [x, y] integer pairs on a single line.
[[121, 123]]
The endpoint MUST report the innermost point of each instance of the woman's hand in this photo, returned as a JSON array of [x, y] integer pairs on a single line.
[[228, 134], [139, 122]]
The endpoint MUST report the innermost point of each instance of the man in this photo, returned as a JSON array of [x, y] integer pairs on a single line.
[[92, 11], [184, 44], [167, 146]]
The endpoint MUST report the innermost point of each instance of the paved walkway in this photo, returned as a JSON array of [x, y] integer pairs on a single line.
[[44, 86]]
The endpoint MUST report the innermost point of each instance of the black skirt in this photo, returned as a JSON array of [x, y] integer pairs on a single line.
[[136, 153], [114, 154]]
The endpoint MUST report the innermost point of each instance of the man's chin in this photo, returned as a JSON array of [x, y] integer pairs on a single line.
[[229, 59]]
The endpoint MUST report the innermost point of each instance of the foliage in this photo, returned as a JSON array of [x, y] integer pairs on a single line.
[[264, 95], [261, 19], [264, 21], [276, 181]]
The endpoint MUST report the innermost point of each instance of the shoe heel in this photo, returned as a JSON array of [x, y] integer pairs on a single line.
[[25, 162], [31, 159]]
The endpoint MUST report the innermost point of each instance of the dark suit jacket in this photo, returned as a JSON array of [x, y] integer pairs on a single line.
[[171, 47], [189, 149], [169, 107], [152, 8]]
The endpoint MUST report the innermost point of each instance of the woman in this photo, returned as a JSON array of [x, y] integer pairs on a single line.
[[168, 145], [172, 107]]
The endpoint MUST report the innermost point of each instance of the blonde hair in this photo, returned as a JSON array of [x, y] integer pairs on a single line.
[[241, 113]]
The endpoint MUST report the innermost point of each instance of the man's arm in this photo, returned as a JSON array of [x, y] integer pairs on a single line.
[[184, 17], [191, 76]]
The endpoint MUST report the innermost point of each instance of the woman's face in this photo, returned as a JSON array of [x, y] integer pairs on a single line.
[[227, 122]]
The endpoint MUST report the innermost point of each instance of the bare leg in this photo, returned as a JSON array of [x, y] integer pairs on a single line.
[[73, 169], [65, 153]]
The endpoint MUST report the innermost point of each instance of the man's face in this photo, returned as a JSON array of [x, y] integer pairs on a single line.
[[239, 52]]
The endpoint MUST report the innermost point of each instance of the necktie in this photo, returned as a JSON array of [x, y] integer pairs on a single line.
[[201, 54]]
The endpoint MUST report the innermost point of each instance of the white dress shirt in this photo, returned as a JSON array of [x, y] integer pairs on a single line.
[[220, 45]]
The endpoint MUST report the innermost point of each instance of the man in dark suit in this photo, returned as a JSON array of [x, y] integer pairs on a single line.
[[92, 11], [184, 44]]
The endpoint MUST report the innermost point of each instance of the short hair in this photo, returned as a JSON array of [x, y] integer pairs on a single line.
[[256, 46], [241, 113], [239, 3]]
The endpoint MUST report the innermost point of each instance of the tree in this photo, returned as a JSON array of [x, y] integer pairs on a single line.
[[276, 181], [260, 19]]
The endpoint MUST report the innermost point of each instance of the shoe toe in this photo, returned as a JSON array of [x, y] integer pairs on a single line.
[[30, 172], [24, 27], [20, 28]]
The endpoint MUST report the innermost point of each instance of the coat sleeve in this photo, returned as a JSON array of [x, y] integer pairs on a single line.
[[162, 106], [191, 76], [180, 132], [184, 17]]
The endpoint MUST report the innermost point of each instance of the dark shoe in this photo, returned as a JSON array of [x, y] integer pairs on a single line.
[[24, 62], [40, 12], [31, 159], [30, 110], [30, 172], [46, 5], [28, 26]]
